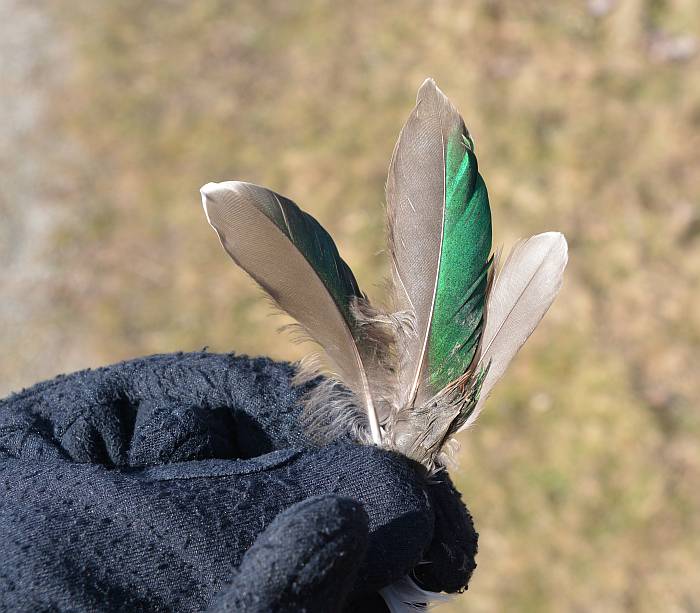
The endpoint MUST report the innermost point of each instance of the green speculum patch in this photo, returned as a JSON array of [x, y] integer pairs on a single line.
[[462, 278]]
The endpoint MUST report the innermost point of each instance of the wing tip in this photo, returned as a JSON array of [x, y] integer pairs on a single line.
[[211, 189], [205, 192], [560, 243], [431, 100], [555, 246], [211, 193], [429, 90], [557, 241]]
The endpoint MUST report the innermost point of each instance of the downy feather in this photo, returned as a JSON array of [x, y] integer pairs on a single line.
[[289, 254]]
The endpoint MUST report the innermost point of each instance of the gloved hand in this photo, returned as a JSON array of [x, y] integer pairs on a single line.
[[184, 482]]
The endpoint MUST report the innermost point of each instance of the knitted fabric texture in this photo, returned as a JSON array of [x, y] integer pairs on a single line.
[[183, 482]]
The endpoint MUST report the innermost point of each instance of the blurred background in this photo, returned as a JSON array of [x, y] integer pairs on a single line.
[[584, 473]]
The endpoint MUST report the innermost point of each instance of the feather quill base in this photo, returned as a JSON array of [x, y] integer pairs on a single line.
[[405, 596]]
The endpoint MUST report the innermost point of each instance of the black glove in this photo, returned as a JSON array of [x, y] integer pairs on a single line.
[[183, 482]]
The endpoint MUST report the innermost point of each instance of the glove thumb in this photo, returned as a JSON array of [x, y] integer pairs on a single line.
[[306, 560]]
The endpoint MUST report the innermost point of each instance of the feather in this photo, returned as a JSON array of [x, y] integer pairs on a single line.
[[410, 378], [289, 254], [523, 291], [440, 241], [406, 596]]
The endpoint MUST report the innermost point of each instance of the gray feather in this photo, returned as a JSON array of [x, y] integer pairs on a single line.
[[522, 292], [253, 224]]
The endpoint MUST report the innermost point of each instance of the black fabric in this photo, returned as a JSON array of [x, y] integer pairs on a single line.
[[313, 547], [183, 482]]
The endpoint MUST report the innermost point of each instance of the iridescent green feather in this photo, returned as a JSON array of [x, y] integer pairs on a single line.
[[317, 246], [464, 261]]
